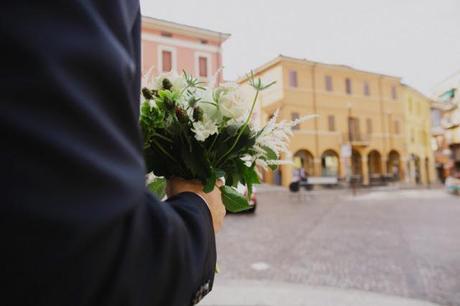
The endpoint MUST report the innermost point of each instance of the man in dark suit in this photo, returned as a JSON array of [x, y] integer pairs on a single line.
[[77, 226]]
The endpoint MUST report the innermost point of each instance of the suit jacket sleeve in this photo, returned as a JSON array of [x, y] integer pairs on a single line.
[[77, 226]]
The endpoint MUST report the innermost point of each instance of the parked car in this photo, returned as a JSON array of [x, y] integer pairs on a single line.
[[453, 185]]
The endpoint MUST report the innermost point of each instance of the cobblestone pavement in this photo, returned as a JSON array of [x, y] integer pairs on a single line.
[[402, 243]]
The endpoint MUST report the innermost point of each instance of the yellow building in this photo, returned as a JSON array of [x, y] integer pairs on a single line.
[[360, 130], [420, 158]]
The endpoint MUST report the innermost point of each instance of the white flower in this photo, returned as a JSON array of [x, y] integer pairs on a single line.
[[147, 78], [232, 103], [275, 136], [152, 103], [149, 177], [178, 82], [207, 104], [204, 128]]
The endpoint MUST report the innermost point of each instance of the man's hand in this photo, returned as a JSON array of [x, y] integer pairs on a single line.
[[213, 199]]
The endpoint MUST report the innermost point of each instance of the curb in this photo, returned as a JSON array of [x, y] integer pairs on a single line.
[[261, 293]]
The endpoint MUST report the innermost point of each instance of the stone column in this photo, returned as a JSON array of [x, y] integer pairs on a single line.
[[344, 167], [365, 169], [384, 166], [316, 167], [286, 174]]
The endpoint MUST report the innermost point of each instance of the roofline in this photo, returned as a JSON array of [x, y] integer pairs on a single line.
[[418, 92], [445, 80], [281, 57], [260, 69], [183, 29]]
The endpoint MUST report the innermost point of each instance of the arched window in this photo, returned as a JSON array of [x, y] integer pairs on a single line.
[[394, 165], [305, 159], [330, 163], [374, 162]]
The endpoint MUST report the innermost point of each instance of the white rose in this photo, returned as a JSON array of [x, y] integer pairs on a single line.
[[231, 102], [232, 105]]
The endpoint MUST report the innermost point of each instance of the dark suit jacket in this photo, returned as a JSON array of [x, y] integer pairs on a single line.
[[77, 226]]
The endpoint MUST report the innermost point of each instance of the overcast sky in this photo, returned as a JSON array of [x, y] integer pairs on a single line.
[[418, 40]]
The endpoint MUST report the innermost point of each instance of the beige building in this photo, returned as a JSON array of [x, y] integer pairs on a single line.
[[446, 127], [362, 125]]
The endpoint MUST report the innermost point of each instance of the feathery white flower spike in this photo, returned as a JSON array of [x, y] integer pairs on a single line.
[[147, 78]]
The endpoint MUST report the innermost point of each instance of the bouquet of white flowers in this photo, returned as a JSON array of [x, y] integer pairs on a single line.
[[205, 133]]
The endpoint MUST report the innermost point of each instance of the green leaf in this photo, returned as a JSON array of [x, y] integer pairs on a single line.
[[220, 173], [235, 179], [158, 187], [210, 183], [250, 178], [271, 155], [233, 200]]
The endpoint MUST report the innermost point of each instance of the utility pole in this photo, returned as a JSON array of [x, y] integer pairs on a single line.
[[350, 177]]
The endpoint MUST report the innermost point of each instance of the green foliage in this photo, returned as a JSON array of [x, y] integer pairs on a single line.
[[270, 155], [257, 83], [233, 200], [250, 178], [158, 187]]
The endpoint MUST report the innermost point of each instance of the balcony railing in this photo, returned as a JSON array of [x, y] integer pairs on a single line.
[[357, 139]]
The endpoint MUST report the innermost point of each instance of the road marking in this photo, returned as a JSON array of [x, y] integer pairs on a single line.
[[260, 266]]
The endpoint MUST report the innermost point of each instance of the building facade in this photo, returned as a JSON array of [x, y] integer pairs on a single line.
[[361, 128], [172, 47], [420, 158], [446, 127]]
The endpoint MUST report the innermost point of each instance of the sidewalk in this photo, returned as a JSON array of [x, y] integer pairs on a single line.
[[261, 293], [263, 188]]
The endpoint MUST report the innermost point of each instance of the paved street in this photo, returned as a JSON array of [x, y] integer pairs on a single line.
[[399, 243]]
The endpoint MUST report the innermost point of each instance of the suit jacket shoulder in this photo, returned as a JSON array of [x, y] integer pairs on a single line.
[[76, 223]]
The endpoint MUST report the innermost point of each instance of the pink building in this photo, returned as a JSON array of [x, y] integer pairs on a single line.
[[169, 46]]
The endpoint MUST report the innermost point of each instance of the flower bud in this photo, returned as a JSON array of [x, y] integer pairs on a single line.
[[167, 84], [197, 114], [181, 115], [147, 93]]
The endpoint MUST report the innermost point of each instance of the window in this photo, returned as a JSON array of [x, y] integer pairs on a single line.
[[368, 126], [166, 34], [166, 60], [436, 117], [203, 66], [412, 136], [331, 123], [293, 78], [328, 83], [354, 131], [396, 127], [367, 91], [348, 86], [295, 116], [394, 94]]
